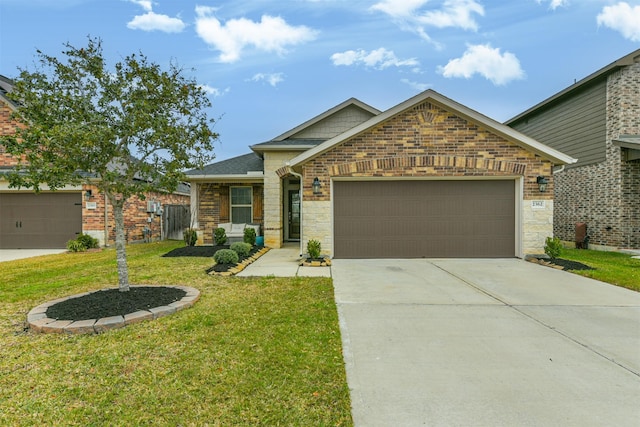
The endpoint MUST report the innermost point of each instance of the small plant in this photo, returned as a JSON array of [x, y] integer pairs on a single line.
[[241, 248], [87, 241], [75, 246], [553, 247], [249, 236], [220, 236], [313, 249], [226, 256], [190, 237]]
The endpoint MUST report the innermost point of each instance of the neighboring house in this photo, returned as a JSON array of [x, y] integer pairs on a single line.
[[51, 218], [426, 178], [597, 121]]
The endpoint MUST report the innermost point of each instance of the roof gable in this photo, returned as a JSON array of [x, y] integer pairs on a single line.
[[315, 131], [462, 111]]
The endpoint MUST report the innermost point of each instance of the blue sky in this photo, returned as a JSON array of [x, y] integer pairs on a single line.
[[271, 65]]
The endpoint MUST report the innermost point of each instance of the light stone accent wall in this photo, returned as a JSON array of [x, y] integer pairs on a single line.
[[273, 209], [537, 226], [317, 223]]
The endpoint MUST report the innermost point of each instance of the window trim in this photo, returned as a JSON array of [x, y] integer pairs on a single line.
[[232, 205]]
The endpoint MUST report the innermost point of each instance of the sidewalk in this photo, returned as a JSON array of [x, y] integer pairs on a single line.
[[283, 262]]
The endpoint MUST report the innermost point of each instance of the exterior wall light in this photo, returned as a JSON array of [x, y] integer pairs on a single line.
[[87, 195], [542, 183], [316, 185]]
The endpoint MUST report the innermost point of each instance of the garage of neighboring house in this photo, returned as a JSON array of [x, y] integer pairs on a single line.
[[39, 221], [432, 218]]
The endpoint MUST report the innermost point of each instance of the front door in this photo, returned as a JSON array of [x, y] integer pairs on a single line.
[[294, 215]]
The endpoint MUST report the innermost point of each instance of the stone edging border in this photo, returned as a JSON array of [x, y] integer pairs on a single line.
[[326, 262], [39, 322], [241, 266]]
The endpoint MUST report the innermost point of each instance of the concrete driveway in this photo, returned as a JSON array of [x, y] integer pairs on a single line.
[[486, 343], [14, 254]]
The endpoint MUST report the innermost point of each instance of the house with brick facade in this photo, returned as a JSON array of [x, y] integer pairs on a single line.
[[51, 218], [428, 177], [597, 121]]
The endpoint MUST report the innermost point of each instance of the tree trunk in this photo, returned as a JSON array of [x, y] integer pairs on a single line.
[[121, 252]]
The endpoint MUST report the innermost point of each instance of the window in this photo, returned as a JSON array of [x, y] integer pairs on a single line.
[[241, 205]]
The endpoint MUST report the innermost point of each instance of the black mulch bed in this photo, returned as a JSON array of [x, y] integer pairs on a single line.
[[112, 302], [197, 251], [208, 251], [570, 265]]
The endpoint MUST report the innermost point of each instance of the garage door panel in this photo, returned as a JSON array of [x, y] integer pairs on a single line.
[[413, 219], [39, 221]]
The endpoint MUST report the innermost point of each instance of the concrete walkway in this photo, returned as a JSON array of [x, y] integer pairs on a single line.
[[283, 262], [486, 343]]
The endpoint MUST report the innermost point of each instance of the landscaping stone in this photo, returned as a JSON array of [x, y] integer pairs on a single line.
[[108, 323], [39, 322], [165, 310], [37, 325], [81, 327], [55, 327], [138, 316]]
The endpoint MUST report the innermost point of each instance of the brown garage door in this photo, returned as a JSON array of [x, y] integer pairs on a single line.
[[432, 219], [39, 221]]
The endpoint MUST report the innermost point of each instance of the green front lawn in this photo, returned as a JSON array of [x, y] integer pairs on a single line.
[[611, 267], [252, 351]]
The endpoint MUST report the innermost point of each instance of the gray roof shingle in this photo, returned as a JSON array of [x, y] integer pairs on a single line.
[[240, 165]]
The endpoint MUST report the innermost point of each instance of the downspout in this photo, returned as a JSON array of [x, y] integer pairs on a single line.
[[301, 221]]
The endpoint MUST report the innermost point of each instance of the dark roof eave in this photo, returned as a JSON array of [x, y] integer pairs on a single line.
[[625, 61]]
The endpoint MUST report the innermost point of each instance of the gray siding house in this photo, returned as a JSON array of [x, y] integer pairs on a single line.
[[597, 121]]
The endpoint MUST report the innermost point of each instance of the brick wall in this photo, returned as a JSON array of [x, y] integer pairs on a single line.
[[7, 127], [428, 141], [606, 195], [135, 216], [214, 207]]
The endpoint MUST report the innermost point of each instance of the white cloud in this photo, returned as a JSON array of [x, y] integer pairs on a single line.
[[151, 21], [488, 62], [379, 59], [399, 8], [272, 79], [271, 34], [454, 13], [420, 87], [214, 91], [412, 15], [554, 4], [145, 4], [623, 18]]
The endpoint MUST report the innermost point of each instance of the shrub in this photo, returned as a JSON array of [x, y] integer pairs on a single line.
[[190, 237], [87, 241], [75, 246], [313, 249], [553, 247], [249, 236], [241, 248], [220, 236], [226, 256]]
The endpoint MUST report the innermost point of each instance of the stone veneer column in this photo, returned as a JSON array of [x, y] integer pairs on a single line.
[[317, 224], [273, 225], [537, 226]]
